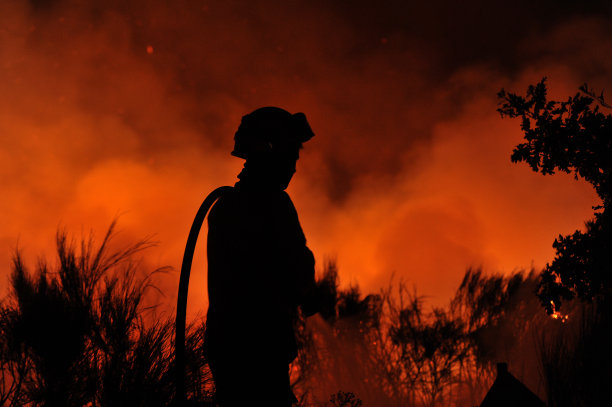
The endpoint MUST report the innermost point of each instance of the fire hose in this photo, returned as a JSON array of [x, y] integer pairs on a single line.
[[181, 305]]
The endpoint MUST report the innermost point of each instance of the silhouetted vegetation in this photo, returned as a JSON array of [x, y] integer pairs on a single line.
[[573, 137], [447, 354], [391, 349], [342, 399], [79, 333]]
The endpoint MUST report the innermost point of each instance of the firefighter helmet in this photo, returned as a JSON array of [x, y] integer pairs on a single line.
[[270, 130]]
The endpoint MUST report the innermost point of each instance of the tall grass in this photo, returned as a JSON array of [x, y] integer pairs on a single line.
[[79, 333], [76, 334]]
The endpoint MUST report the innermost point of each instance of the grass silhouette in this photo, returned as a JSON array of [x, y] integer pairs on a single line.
[[80, 333], [76, 334]]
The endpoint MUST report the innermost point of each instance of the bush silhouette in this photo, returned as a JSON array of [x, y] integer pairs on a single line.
[[78, 334]]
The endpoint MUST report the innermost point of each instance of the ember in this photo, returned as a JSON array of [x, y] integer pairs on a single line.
[[557, 315]]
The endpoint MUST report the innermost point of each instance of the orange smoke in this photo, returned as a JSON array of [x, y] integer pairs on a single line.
[[129, 109]]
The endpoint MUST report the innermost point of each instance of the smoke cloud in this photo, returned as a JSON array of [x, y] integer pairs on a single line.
[[129, 108]]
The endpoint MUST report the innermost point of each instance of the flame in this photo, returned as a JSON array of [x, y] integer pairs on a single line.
[[557, 315]]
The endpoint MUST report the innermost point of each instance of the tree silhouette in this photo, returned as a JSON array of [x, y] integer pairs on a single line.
[[430, 347], [573, 137]]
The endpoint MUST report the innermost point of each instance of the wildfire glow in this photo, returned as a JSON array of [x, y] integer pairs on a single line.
[[409, 173], [557, 315]]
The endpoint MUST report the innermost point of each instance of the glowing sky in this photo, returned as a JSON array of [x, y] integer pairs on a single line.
[[128, 108]]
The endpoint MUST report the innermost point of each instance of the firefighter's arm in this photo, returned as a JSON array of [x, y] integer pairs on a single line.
[[308, 299], [301, 262]]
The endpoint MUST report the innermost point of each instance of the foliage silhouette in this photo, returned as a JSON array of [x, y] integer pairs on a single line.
[[78, 335], [327, 291], [416, 356], [120, 353], [573, 137], [484, 303], [342, 399], [449, 353], [430, 346]]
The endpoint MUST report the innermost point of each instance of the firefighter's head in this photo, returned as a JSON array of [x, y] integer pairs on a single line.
[[271, 137]]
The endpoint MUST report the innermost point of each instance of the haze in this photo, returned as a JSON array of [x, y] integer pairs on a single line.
[[129, 108]]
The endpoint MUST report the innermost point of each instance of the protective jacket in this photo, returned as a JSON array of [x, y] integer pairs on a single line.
[[259, 271]]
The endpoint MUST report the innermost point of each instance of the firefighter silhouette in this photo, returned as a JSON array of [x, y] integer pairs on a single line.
[[259, 267]]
